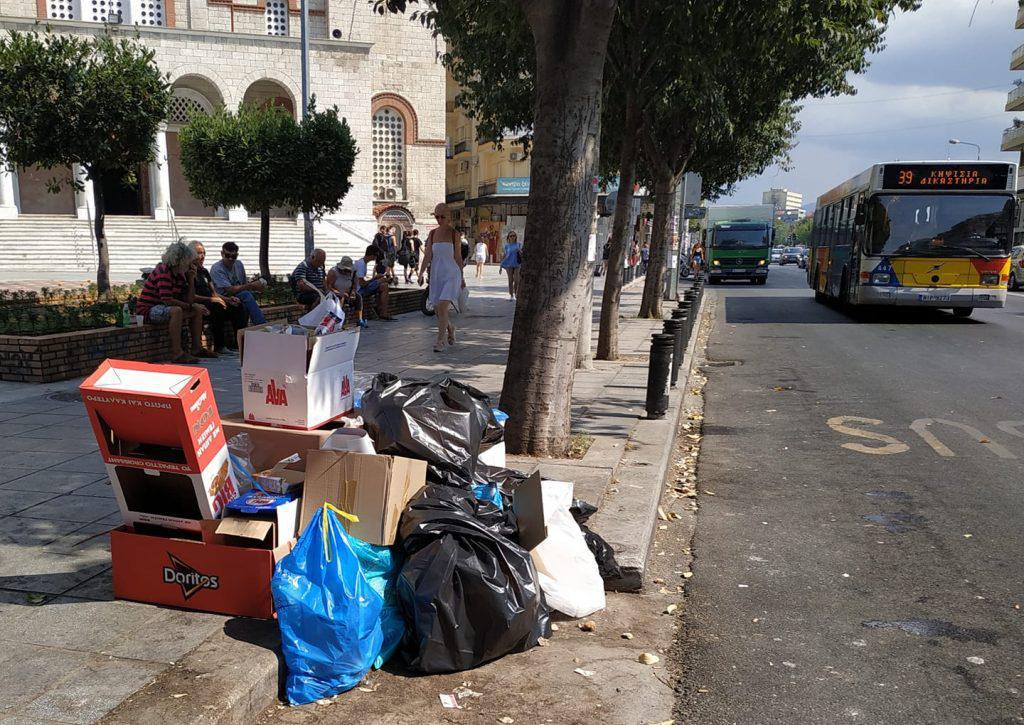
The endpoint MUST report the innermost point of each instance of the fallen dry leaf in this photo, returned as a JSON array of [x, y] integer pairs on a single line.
[[588, 626], [543, 642], [627, 635], [671, 608], [648, 658], [661, 514], [585, 673]]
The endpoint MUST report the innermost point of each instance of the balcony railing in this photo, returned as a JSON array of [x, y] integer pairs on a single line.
[[1013, 138], [455, 195], [461, 147], [1017, 58], [487, 188], [1015, 99]]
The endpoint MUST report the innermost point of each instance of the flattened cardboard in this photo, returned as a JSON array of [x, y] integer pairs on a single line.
[[528, 505], [206, 575], [284, 519], [374, 488]]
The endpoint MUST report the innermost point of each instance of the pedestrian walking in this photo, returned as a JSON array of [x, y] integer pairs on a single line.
[[511, 262], [406, 256], [480, 256], [645, 257], [447, 279]]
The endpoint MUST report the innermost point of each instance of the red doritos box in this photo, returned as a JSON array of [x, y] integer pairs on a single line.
[[159, 432], [201, 571]]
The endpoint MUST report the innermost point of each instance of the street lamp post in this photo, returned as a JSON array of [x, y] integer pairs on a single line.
[[955, 141], [307, 222]]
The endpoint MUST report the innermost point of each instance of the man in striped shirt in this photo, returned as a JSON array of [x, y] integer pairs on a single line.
[[168, 296], [309, 278]]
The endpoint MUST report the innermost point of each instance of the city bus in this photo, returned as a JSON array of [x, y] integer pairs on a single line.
[[919, 234]]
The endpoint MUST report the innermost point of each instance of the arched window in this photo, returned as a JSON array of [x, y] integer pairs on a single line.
[[388, 133], [185, 103]]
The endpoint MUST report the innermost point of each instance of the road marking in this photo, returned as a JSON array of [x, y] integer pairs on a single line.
[[893, 446], [1011, 426], [920, 426]]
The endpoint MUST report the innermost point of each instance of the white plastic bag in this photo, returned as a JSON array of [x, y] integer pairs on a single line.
[[566, 569], [326, 317], [460, 306]]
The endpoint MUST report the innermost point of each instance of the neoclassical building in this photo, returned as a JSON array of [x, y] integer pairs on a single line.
[[381, 72]]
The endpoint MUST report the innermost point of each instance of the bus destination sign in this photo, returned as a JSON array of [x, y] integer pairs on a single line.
[[945, 176]]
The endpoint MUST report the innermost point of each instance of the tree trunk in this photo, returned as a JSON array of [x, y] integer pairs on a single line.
[[570, 39], [654, 284], [99, 227], [608, 334], [265, 243]]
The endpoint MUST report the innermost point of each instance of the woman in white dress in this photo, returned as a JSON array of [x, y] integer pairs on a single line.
[[480, 256], [446, 275]]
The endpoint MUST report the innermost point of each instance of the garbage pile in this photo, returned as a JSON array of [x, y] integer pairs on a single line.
[[394, 529]]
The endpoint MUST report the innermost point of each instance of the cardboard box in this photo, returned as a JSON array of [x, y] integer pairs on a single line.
[[161, 417], [174, 499], [201, 573], [374, 488], [296, 381]]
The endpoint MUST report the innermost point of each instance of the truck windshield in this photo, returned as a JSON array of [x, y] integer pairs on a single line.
[[947, 225], [740, 238]]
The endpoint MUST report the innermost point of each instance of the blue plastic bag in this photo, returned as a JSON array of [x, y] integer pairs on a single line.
[[328, 613], [381, 565], [489, 492]]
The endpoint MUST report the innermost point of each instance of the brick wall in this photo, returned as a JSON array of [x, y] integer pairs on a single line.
[[49, 358]]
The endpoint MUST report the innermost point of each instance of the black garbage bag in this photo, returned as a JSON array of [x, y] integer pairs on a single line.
[[440, 421], [507, 479], [468, 591], [601, 549]]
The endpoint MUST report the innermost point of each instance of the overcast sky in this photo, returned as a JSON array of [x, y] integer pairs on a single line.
[[937, 78]]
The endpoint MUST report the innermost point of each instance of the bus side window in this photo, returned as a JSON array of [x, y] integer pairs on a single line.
[[830, 225]]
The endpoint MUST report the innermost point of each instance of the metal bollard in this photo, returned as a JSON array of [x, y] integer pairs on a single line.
[[658, 372], [674, 327], [684, 312]]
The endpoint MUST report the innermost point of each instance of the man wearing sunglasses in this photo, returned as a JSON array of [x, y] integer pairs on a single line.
[[231, 283]]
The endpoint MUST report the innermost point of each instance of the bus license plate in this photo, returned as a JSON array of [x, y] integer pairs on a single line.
[[934, 298]]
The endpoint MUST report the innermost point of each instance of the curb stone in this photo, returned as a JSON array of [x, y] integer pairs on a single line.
[[627, 516], [229, 679]]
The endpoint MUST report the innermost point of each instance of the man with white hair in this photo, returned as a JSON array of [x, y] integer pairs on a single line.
[[168, 296], [309, 279]]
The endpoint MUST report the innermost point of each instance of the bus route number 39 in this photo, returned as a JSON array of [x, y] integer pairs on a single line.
[[906, 178]]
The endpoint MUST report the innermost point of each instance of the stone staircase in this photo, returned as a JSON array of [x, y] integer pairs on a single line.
[[58, 247]]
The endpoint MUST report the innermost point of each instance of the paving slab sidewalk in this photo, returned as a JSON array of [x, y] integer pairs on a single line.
[[72, 653]]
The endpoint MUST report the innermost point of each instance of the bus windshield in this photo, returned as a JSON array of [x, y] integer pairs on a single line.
[[947, 225], [726, 238]]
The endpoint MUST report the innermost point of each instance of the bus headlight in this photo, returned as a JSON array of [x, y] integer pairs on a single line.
[[761, 262], [716, 263], [990, 278], [880, 278]]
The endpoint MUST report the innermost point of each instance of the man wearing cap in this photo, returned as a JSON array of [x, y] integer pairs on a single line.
[[341, 281]]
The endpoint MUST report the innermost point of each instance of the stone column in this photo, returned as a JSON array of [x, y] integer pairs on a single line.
[[8, 209], [161, 175], [85, 200]]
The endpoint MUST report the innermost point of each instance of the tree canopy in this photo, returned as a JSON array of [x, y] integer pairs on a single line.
[[97, 102]]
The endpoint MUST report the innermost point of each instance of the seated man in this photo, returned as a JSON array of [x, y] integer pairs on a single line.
[[168, 296], [230, 282], [342, 282], [368, 286], [219, 308], [308, 279]]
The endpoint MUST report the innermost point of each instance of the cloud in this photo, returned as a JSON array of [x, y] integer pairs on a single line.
[[936, 78]]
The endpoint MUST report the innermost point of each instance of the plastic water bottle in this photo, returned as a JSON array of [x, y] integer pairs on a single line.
[[126, 316]]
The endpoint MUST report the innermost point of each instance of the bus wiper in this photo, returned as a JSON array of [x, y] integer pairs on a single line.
[[969, 249]]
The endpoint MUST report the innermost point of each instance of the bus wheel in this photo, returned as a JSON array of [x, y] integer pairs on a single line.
[[962, 311]]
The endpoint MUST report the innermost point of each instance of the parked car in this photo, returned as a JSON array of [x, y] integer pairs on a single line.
[[776, 256], [1016, 267], [790, 255]]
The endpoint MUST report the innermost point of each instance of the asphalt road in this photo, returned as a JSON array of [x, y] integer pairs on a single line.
[[880, 582]]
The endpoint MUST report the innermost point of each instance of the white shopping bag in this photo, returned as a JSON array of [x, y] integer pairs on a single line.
[[462, 304], [566, 569], [326, 317]]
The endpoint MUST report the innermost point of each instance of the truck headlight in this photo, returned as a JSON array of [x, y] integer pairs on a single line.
[[881, 278], [716, 263], [761, 262], [990, 278]]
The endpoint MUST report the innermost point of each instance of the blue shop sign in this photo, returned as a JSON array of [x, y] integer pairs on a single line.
[[513, 185]]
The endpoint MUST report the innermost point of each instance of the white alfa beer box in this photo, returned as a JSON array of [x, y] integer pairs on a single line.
[[297, 381]]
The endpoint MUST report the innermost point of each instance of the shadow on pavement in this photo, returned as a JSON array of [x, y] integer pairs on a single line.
[[804, 310]]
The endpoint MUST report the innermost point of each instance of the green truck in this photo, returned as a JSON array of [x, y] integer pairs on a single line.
[[738, 242]]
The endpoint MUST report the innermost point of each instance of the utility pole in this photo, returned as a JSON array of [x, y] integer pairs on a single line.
[[307, 221]]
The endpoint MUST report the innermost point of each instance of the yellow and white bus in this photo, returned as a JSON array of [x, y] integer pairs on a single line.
[[921, 234]]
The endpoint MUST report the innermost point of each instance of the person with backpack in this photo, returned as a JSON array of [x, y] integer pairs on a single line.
[[406, 256]]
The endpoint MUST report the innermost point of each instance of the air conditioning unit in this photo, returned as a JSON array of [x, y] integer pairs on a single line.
[[516, 156]]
